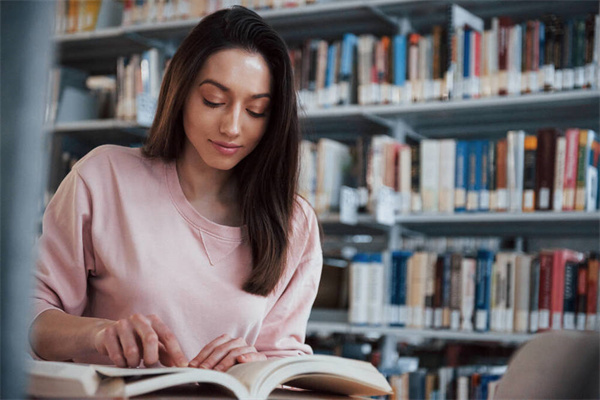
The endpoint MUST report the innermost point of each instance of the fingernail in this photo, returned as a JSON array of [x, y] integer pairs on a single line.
[[203, 366], [219, 368], [182, 363], [243, 358], [193, 364]]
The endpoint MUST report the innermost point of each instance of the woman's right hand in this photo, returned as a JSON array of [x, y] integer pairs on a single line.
[[137, 338]]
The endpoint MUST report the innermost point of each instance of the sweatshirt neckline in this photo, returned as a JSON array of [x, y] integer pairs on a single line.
[[185, 208]]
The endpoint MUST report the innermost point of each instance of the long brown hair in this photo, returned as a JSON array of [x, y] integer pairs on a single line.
[[267, 177]]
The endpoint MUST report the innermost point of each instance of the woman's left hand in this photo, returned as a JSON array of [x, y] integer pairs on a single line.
[[224, 352]]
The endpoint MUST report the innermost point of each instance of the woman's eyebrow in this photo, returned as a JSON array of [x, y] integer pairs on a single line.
[[226, 89]]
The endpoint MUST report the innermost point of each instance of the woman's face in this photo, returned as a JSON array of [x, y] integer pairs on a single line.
[[227, 109]]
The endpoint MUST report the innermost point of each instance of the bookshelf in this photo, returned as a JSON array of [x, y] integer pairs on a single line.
[[484, 118]]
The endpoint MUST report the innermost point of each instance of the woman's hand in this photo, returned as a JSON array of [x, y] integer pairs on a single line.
[[130, 340], [224, 352]]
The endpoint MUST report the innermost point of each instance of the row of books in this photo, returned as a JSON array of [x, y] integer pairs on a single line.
[[82, 15], [458, 61], [483, 291], [472, 382], [551, 170]]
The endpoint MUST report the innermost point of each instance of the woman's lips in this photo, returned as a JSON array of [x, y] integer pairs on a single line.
[[227, 149]]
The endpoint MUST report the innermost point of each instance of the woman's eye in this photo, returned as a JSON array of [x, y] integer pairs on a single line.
[[211, 104], [255, 114]]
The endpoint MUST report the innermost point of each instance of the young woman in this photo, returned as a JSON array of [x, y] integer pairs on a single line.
[[194, 250]]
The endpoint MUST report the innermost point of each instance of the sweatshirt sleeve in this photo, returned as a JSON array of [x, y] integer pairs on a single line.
[[284, 327], [65, 254]]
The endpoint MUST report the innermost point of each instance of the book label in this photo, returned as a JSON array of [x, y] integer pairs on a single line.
[[417, 317], [402, 315], [396, 94], [510, 318], [533, 322], [502, 199], [568, 82], [544, 319], [484, 200], [521, 321], [437, 318], [568, 320], [590, 322], [437, 89], [528, 197], [386, 204], [558, 79], [481, 317], [544, 198], [581, 322], [428, 317], [460, 197], [533, 81], [349, 202], [556, 320], [455, 320]]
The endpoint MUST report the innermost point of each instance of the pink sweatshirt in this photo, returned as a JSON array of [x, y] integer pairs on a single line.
[[119, 237]]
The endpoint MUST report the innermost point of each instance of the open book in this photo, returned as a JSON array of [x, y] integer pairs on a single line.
[[252, 380]]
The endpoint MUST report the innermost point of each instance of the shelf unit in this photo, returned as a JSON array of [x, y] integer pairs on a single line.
[[97, 51]]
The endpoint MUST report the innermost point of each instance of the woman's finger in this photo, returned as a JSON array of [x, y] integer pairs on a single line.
[[148, 336], [230, 358], [113, 347], [250, 357], [168, 339], [198, 361], [128, 342]]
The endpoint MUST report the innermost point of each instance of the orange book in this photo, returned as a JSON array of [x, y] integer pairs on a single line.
[[529, 173], [501, 183]]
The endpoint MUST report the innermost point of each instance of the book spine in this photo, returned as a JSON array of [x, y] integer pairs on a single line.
[[510, 293], [501, 183], [446, 289], [559, 263], [430, 166], [561, 143], [504, 25], [438, 292], [515, 167], [484, 166], [581, 300], [359, 290], [401, 260], [375, 293], [545, 290], [447, 173], [405, 181], [461, 176], [570, 295], [483, 276], [534, 295], [399, 44], [522, 293], [529, 183], [455, 290], [468, 293], [591, 184], [466, 63], [570, 173], [416, 203], [474, 182], [492, 184], [545, 160], [591, 322], [429, 289], [582, 168]]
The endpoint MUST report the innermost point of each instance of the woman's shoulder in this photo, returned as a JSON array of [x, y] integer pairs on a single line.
[[304, 218], [113, 156]]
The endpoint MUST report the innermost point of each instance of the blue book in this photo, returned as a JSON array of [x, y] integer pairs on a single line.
[[399, 46], [461, 176], [484, 192], [330, 71], [483, 286], [475, 174], [398, 287], [347, 67], [467, 64], [484, 383]]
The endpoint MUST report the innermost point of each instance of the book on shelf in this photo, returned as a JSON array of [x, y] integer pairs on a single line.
[[251, 380]]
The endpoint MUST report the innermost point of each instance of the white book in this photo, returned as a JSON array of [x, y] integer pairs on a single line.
[[515, 169], [332, 159], [429, 174], [359, 292], [255, 380], [522, 294], [468, 268], [559, 175], [376, 293], [447, 175]]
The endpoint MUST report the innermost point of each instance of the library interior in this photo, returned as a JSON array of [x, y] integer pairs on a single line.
[[450, 150]]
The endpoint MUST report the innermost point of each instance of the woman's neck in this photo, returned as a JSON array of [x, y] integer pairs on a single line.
[[202, 183]]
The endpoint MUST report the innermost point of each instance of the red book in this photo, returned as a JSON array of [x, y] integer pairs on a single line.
[[592, 292], [477, 64], [504, 26], [570, 181], [545, 292], [559, 259]]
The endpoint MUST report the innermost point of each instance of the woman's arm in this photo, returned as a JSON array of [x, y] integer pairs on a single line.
[[56, 335]]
